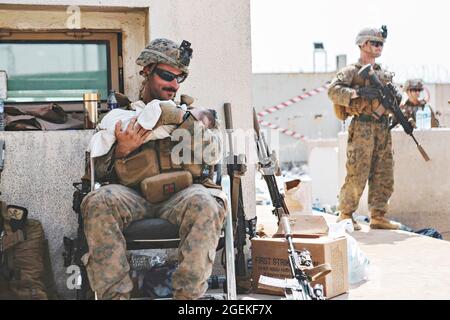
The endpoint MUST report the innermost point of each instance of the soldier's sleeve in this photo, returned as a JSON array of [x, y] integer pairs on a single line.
[[209, 149], [339, 90]]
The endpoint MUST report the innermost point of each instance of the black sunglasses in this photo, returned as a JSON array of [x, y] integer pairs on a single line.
[[169, 76], [415, 90], [376, 44]]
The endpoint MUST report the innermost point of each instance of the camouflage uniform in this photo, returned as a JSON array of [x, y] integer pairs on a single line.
[[198, 211], [369, 150], [410, 108], [111, 208]]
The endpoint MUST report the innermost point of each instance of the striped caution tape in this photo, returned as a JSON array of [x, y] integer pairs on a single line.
[[287, 132], [296, 99]]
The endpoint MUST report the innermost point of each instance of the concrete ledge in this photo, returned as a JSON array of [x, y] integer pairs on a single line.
[[421, 197]]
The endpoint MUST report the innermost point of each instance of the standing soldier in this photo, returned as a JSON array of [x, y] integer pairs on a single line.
[[369, 149], [413, 89]]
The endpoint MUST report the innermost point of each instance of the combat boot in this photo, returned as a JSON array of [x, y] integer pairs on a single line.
[[383, 223], [344, 216]]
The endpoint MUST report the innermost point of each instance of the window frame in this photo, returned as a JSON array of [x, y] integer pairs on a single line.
[[112, 39]]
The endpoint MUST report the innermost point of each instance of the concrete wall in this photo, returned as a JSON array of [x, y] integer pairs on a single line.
[[221, 69], [421, 197], [323, 170], [220, 72], [439, 97], [39, 170], [313, 118]]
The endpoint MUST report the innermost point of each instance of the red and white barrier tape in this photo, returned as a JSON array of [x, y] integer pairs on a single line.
[[296, 99], [287, 132]]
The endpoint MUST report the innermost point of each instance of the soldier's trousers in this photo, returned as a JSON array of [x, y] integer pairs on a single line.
[[109, 210], [369, 158]]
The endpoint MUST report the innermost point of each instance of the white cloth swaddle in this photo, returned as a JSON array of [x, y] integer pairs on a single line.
[[147, 116]]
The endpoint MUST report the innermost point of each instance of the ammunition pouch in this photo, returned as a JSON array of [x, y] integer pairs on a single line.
[[199, 170], [360, 106], [132, 170], [164, 149], [163, 186], [366, 118]]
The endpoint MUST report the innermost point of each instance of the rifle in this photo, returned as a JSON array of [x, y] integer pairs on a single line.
[[298, 288], [2, 156], [75, 248], [390, 101], [236, 169]]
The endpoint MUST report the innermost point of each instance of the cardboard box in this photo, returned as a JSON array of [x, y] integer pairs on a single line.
[[305, 226], [270, 258]]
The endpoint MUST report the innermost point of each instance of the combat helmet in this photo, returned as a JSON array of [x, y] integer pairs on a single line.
[[371, 34], [168, 52], [413, 84]]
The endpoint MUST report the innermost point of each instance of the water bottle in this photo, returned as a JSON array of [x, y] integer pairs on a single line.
[[2, 115], [419, 118], [426, 124], [316, 205], [112, 101]]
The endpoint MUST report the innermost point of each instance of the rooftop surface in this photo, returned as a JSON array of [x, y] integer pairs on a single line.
[[404, 265]]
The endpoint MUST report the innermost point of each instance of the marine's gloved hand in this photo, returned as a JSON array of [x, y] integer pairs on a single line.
[[370, 93]]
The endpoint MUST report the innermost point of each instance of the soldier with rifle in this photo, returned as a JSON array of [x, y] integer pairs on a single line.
[[365, 91]]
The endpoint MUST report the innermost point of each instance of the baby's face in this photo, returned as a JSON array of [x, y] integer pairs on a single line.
[[205, 116]]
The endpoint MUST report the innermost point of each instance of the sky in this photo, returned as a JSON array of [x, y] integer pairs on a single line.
[[417, 46]]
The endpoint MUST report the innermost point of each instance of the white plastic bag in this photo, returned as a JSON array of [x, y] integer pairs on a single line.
[[358, 263]]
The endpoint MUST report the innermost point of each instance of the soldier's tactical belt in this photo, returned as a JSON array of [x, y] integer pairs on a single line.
[[367, 118]]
